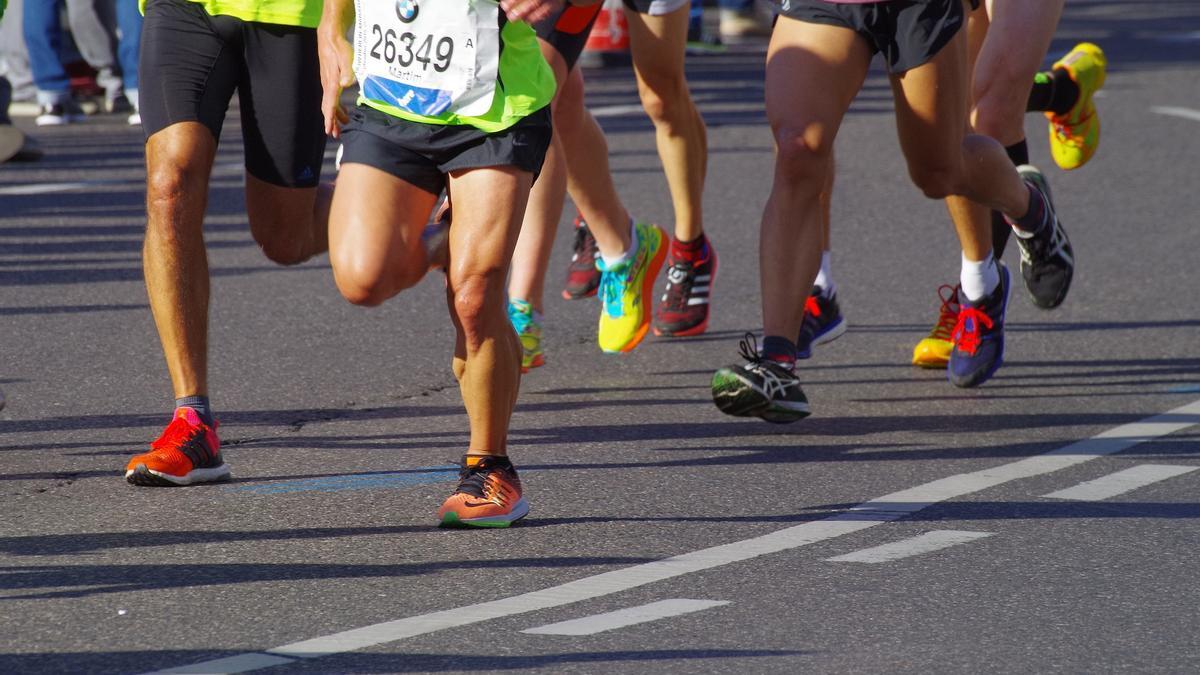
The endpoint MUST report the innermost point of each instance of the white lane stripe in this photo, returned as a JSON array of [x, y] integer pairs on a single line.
[[868, 514], [239, 663], [614, 110], [1175, 111], [49, 188], [630, 616], [1121, 482], [905, 548]]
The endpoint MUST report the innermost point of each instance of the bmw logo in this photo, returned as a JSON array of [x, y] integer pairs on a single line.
[[407, 10]]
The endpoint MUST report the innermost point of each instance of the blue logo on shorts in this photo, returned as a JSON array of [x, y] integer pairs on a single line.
[[406, 10]]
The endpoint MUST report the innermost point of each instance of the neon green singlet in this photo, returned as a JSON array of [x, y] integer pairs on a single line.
[[524, 82], [306, 13]]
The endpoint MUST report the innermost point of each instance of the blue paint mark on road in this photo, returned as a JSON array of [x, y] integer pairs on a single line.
[[1185, 389], [354, 481]]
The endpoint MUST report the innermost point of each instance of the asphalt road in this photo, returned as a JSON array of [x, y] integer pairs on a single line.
[[1045, 522]]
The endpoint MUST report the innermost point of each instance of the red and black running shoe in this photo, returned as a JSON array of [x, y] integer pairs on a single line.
[[583, 278], [188, 451], [683, 308]]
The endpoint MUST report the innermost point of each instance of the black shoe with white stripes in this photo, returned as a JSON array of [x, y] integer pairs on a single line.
[[759, 388], [1047, 258]]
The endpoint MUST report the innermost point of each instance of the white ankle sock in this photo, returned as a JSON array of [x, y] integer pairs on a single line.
[[825, 277], [978, 278], [610, 263]]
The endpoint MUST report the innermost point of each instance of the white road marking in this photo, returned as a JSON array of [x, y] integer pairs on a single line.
[[868, 514], [630, 616], [1121, 482], [239, 663], [1175, 111], [48, 188], [905, 548], [614, 110]]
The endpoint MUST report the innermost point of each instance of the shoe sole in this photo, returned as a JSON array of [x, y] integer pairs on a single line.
[[519, 511], [735, 396], [652, 271], [537, 362], [831, 333], [980, 378], [699, 328], [144, 477]]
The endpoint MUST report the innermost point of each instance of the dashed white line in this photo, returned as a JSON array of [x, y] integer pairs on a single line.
[[630, 616], [1175, 111], [868, 514], [1121, 482], [906, 548]]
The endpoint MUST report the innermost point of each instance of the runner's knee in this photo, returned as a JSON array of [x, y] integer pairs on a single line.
[[171, 181], [474, 293], [804, 154], [937, 181], [665, 100]]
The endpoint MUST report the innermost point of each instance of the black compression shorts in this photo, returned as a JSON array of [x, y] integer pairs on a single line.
[[907, 32], [191, 64], [568, 30]]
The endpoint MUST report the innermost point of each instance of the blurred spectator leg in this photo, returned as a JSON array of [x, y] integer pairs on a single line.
[[94, 28], [740, 21], [43, 40], [129, 25]]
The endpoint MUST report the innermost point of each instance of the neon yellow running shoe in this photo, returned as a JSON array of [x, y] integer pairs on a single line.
[[626, 291], [528, 325], [1075, 135], [934, 350]]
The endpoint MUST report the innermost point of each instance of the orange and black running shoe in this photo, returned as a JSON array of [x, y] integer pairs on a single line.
[[488, 494], [188, 451]]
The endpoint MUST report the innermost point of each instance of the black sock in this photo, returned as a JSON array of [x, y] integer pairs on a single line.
[[1018, 153], [199, 404], [780, 350], [1035, 216], [1053, 91]]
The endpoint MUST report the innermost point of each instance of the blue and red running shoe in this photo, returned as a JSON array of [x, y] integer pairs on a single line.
[[979, 336]]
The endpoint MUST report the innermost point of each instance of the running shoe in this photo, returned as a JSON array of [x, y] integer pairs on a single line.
[[626, 291], [979, 336], [1047, 258], [583, 277], [187, 452], [683, 308], [933, 351], [488, 494], [60, 114], [528, 325], [759, 388], [1075, 134], [823, 322]]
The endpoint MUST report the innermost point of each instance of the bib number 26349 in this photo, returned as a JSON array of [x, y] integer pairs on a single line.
[[428, 57]]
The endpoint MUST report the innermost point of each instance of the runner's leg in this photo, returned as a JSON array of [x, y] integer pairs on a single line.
[[488, 207]]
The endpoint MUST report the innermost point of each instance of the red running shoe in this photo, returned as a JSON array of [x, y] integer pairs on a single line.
[[683, 308], [188, 451], [582, 276]]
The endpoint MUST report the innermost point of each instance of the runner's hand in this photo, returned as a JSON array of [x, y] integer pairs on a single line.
[[337, 73], [530, 11]]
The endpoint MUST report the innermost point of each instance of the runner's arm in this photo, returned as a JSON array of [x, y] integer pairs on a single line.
[[337, 61]]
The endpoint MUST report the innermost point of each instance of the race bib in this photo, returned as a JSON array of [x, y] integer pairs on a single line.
[[428, 57]]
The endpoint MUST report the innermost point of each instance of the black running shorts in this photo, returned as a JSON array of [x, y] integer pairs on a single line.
[[568, 30], [422, 154], [907, 32], [191, 64]]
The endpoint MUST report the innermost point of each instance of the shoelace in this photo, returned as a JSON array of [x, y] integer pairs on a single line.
[[679, 285], [613, 283], [1062, 129], [584, 246], [966, 332], [474, 481], [948, 314], [175, 435], [812, 307], [772, 383]]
